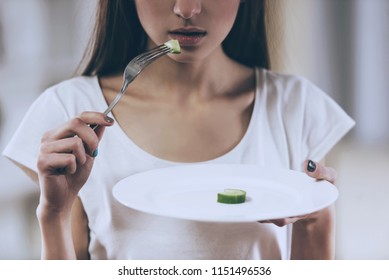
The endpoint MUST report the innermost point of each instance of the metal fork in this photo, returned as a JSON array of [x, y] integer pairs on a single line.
[[134, 67]]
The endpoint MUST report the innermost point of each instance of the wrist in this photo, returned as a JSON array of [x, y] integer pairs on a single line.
[[56, 234], [48, 214], [54, 208]]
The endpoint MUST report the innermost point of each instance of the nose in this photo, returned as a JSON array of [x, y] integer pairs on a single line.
[[186, 9]]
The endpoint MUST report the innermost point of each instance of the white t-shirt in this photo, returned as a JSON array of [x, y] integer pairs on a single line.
[[292, 120]]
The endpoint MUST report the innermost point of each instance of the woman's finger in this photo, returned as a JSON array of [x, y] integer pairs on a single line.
[[72, 145], [319, 171], [285, 221], [72, 129], [97, 121], [55, 164], [280, 222], [80, 127], [85, 120]]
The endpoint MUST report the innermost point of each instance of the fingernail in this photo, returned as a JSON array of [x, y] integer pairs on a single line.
[[95, 153], [311, 166], [108, 119]]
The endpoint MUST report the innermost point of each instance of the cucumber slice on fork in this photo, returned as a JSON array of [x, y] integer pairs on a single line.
[[174, 46]]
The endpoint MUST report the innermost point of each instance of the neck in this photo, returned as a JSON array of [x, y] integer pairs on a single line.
[[204, 78]]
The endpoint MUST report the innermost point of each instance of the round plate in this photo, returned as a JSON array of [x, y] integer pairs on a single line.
[[190, 192]]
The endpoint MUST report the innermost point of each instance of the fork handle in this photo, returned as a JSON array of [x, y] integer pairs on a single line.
[[114, 102], [109, 109], [117, 98]]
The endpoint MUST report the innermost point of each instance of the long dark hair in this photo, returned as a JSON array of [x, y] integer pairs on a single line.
[[118, 37]]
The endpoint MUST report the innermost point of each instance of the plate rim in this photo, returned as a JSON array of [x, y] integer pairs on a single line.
[[265, 172]]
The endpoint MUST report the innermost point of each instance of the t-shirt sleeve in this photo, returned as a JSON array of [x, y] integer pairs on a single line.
[[325, 123], [44, 114]]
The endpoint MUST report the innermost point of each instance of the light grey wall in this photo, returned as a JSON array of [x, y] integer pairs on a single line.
[[371, 70]]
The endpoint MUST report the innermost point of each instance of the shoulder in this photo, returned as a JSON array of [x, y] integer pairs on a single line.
[[288, 83], [296, 99], [76, 84], [312, 122], [76, 94], [290, 90]]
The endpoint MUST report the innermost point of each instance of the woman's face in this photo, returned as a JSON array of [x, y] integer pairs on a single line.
[[199, 25]]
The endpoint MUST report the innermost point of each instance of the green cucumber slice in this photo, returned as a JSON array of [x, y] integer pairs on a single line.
[[174, 46], [231, 196]]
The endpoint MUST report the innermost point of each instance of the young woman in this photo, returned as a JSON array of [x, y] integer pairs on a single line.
[[216, 102]]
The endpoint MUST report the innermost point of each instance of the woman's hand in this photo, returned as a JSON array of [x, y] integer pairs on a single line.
[[315, 170], [313, 234], [65, 160]]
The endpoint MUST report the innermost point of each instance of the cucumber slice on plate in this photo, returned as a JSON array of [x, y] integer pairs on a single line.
[[174, 46], [231, 196]]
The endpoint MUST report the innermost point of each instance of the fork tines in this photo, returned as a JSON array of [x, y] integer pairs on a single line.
[[152, 54]]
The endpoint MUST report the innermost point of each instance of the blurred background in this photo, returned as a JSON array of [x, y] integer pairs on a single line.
[[341, 45]]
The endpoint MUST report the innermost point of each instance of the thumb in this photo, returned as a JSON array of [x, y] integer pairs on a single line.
[[318, 171]]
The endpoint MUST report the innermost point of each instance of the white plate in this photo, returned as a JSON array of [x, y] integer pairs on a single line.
[[190, 192]]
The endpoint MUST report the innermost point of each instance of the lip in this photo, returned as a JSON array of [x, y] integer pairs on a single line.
[[188, 36]]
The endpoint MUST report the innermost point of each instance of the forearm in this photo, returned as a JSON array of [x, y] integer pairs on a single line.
[[56, 236], [314, 238]]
